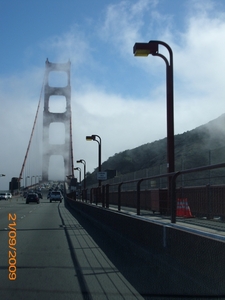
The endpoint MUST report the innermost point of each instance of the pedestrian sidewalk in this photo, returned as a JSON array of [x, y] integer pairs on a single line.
[[98, 277], [210, 228]]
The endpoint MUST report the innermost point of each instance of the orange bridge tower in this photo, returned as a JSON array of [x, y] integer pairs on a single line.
[[63, 149]]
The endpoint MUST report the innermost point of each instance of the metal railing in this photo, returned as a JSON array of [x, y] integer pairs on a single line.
[[101, 194]]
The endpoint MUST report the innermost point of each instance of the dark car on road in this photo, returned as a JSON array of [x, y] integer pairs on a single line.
[[32, 197]]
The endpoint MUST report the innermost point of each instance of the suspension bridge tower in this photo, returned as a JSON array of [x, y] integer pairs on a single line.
[[65, 149]]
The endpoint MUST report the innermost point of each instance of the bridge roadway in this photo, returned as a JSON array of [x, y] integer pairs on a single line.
[[57, 256], [61, 255]]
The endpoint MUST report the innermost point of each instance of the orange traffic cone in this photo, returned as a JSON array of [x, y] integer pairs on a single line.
[[183, 209], [187, 210]]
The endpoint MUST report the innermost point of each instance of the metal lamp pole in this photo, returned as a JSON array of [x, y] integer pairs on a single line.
[[82, 161], [144, 49], [79, 169], [96, 138]]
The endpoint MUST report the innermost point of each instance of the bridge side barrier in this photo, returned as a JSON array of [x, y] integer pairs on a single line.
[[197, 257], [102, 195]]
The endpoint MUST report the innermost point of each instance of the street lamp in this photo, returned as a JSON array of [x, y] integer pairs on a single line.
[[79, 169], [144, 49], [82, 161], [96, 138], [79, 185]]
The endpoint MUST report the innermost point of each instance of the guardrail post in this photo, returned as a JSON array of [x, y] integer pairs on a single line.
[[209, 207], [173, 197], [91, 191], [139, 197], [119, 196], [97, 195]]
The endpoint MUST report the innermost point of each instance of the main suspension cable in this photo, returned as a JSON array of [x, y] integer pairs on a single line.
[[32, 132]]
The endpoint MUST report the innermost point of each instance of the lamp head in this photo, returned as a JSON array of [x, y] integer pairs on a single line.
[[144, 49], [89, 138], [82, 161]]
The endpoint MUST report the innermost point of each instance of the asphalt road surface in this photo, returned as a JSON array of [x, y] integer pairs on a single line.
[[50, 252], [48, 255]]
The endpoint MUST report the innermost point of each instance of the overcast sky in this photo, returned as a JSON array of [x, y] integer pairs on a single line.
[[118, 96]]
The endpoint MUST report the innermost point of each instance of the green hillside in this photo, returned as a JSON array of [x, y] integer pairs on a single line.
[[201, 146]]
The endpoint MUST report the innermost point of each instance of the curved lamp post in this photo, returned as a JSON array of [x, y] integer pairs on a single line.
[[79, 185], [144, 49], [82, 161], [79, 169], [96, 138]]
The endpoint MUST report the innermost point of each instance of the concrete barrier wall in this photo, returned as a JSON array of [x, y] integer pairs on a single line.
[[202, 254], [199, 256]]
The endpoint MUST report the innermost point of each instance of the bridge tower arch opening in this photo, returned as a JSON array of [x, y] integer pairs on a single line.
[[55, 142]]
